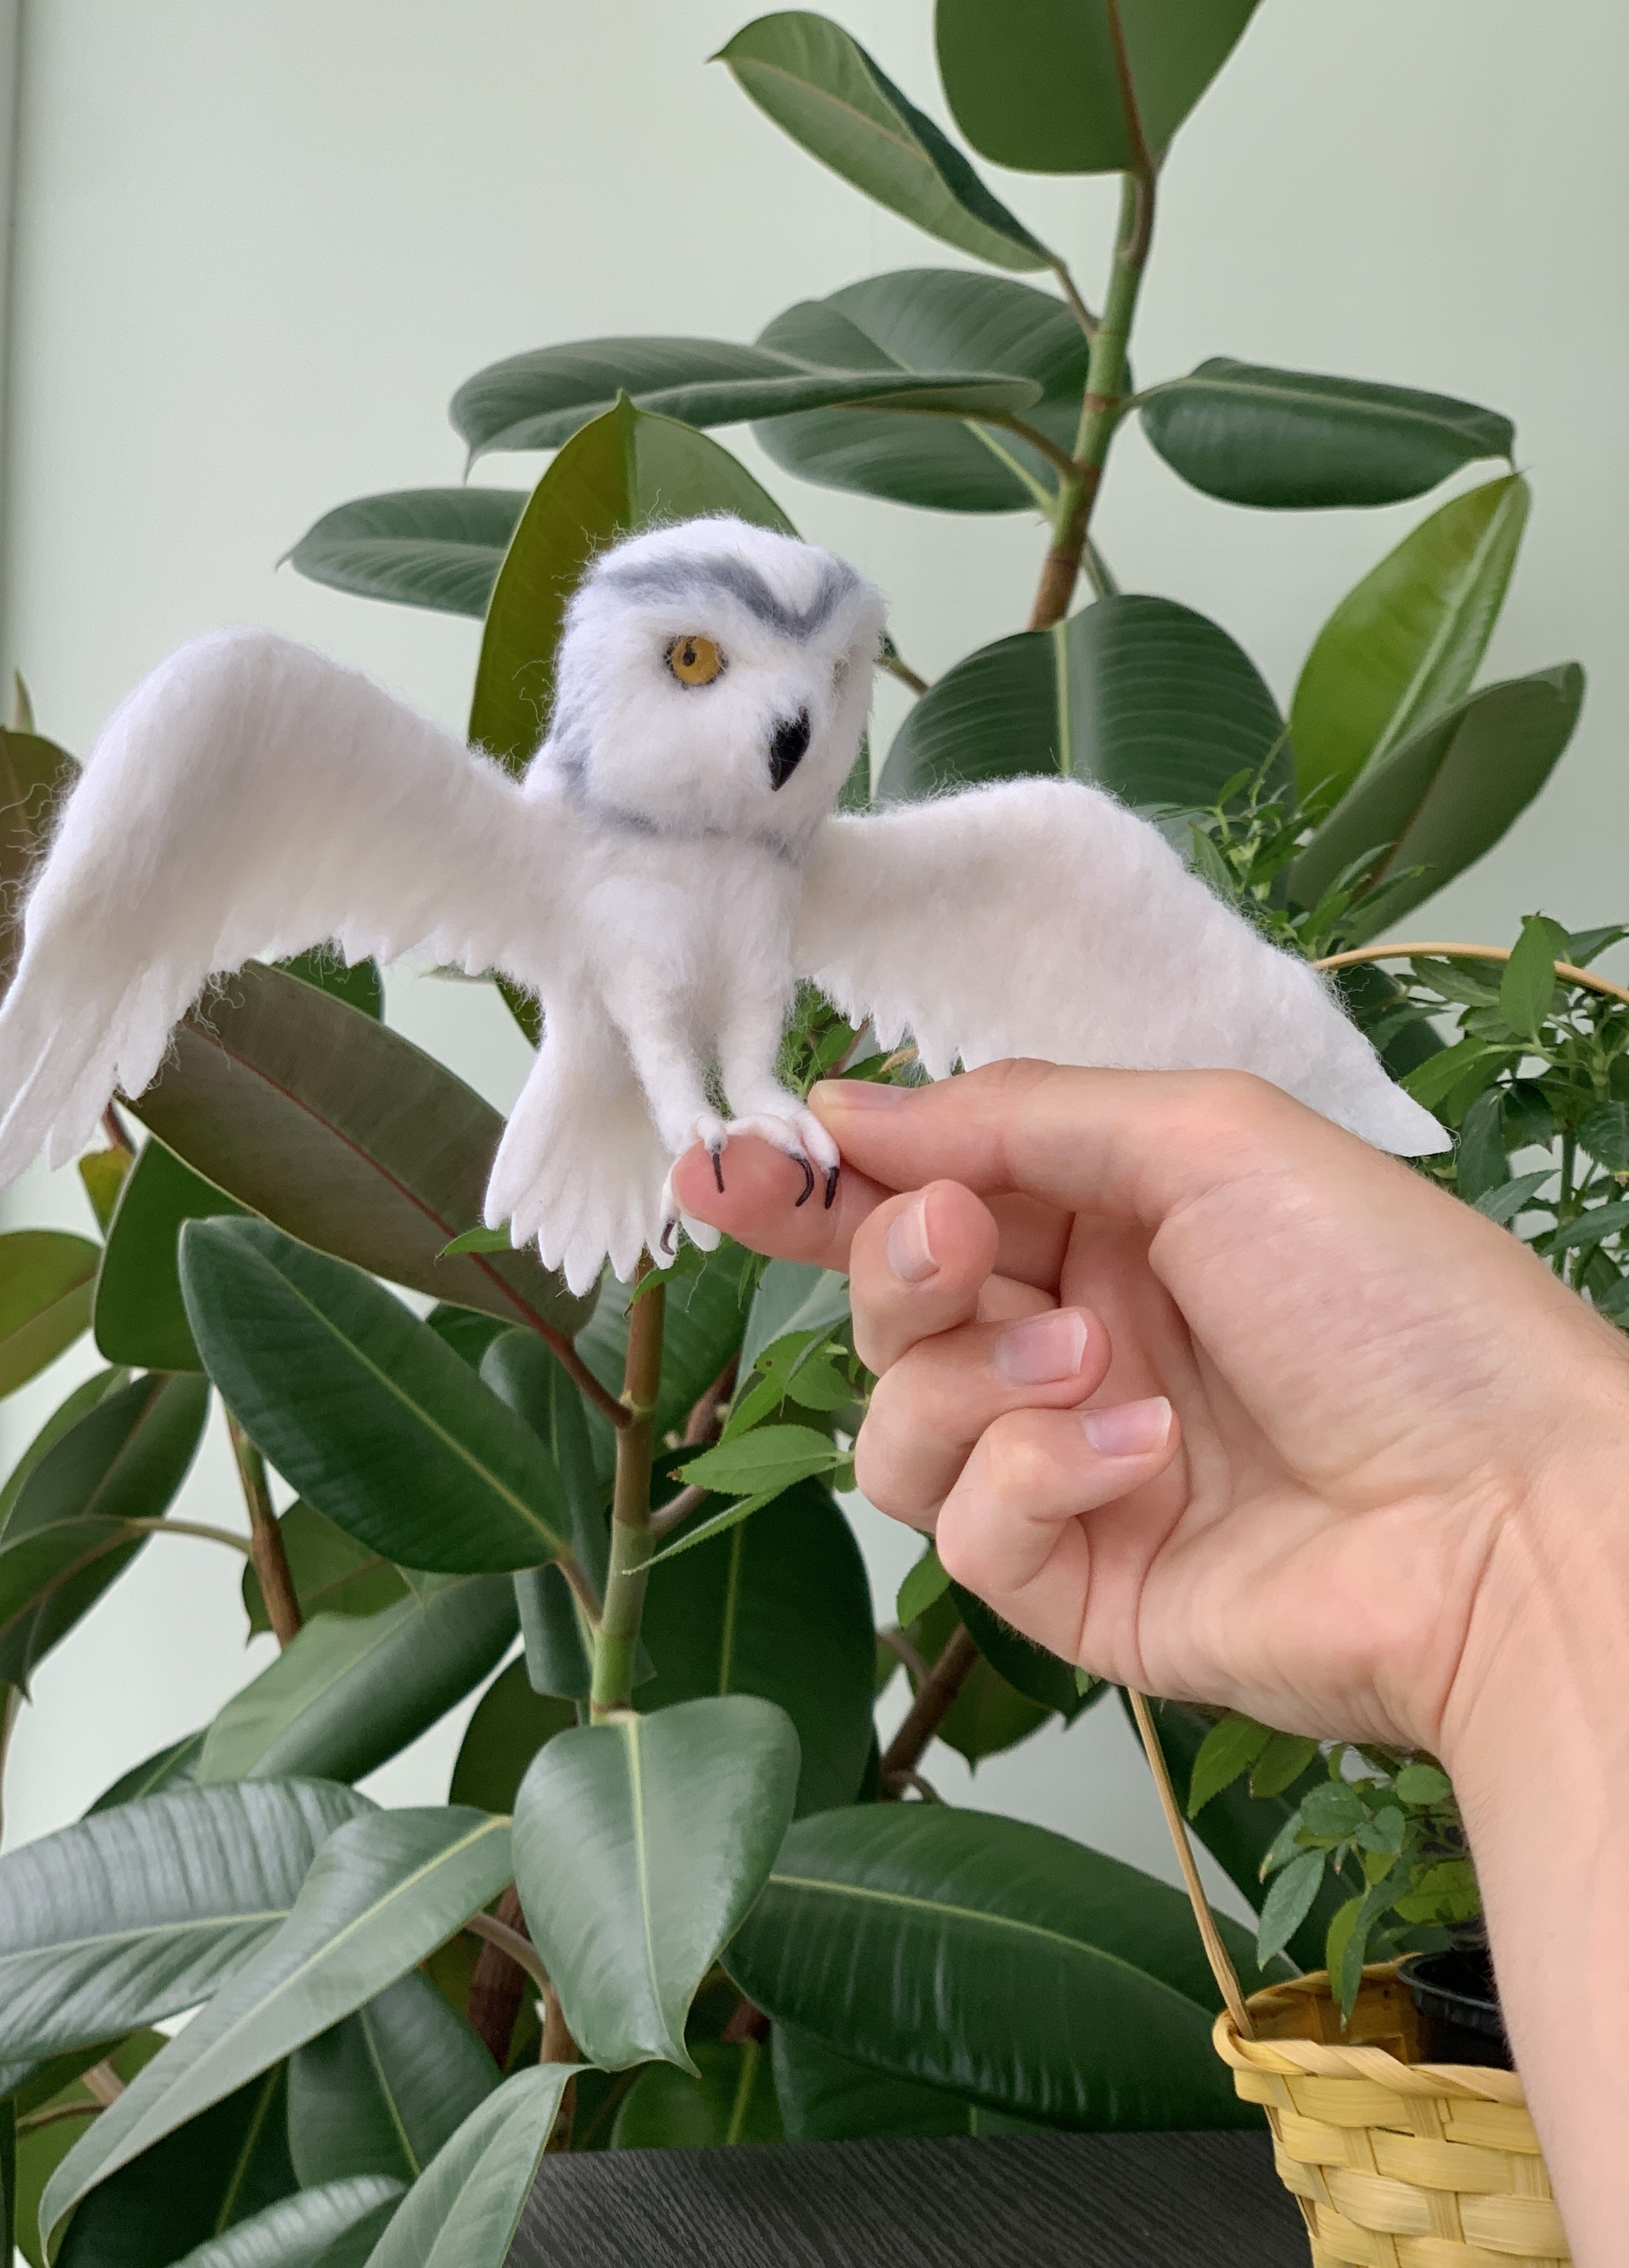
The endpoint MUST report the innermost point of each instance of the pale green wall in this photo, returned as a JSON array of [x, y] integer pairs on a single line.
[[260, 242]]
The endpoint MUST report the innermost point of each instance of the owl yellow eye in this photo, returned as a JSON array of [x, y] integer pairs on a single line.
[[695, 660]]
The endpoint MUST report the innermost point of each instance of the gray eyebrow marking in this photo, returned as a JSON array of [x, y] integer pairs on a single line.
[[677, 578]]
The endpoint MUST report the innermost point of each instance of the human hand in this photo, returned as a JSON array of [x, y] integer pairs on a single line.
[[1373, 1393]]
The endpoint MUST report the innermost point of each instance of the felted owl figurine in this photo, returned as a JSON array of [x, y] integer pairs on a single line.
[[666, 870]]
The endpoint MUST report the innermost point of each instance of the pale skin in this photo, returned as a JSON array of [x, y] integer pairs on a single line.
[[1209, 1396]]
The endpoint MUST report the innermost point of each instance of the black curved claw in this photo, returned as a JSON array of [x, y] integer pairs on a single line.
[[718, 1168], [808, 1179], [666, 1238], [831, 1185]]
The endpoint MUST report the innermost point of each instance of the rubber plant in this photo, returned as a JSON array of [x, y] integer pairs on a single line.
[[680, 1892]]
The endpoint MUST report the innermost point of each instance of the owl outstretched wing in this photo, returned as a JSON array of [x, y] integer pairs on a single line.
[[1040, 917], [251, 799]]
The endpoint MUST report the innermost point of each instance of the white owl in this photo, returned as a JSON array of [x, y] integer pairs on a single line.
[[666, 870]]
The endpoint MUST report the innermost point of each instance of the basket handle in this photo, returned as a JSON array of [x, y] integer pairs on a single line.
[[1215, 1952]]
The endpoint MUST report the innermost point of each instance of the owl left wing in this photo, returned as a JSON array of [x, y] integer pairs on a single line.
[[1040, 917]]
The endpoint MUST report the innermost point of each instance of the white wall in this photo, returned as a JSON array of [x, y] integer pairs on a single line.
[[260, 242]]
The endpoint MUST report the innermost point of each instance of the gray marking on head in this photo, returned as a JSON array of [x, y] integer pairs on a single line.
[[678, 579], [613, 819]]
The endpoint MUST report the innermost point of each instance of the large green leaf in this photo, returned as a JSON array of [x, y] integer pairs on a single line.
[[86, 1396], [524, 1374], [437, 547], [825, 2097], [626, 469], [350, 1691], [383, 1891], [70, 1531], [1238, 1829], [1041, 1676], [538, 401], [35, 775], [996, 1959], [365, 1410], [205, 2177], [45, 1282], [357, 983], [167, 1768], [1038, 85], [639, 1845], [333, 2227], [1293, 440], [1142, 696], [139, 1316], [463, 2211], [731, 2100], [941, 318], [780, 1607], [333, 1573], [1444, 797], [1404, 644], [381, 2092], [792, 1296], [346, 1136], [40, 2148], [820, 87], [144, 1911], [505, 1733]]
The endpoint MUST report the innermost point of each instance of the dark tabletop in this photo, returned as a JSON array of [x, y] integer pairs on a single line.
[[1050, 2201]]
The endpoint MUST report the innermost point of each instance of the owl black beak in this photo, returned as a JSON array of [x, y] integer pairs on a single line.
[[788, 748]]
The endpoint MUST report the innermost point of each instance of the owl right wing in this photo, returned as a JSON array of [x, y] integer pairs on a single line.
[[252, 800]]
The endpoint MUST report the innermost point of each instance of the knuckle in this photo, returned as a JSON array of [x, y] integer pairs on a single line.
[[1016, 1456]]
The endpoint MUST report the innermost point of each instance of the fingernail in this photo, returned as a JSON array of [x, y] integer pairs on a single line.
[[909, 1254], [856, 1094], [1043, 1348], [1130, 1429]]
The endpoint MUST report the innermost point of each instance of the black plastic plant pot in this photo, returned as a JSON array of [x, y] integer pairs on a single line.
[[1458, 2004]]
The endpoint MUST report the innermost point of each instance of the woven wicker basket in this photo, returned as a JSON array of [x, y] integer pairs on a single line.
[[1395, 2163]]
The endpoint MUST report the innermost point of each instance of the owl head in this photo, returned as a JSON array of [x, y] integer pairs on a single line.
[[714, 677]]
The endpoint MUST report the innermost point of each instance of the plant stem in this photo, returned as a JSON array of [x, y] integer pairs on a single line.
[[618, 1639], [935, 1698], [1103, 405], [270, 1561], [498, 1985], [197, 1528], [677, 1508], [1077, 305]]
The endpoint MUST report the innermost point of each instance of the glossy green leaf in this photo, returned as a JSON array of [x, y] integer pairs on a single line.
[[1226, 1754], [1529, 984], [142, 1911], [779, 1607], [1029, 1669], [383, 1891], [346, 1136], [1037, 84], [1604, 1133], [731, 2100], [825, 2097], [925, 1582], [41, 2148], [139, 1316], [464, 2210], [1238, 1828], [45, 1282], [362, 1409], [1404, 644], [1291, 1895], [333, 1573], [357, 983], [167, 1768], [319, 2228], [217, 2169], [639, 1845], [35, 775], [942, 318], [1142, 696], [86, 1396], [379, 2093], [820, 87], [618, 474], [537, 401], [1294, 440], [351, 1692], [793, 1297], [102, 1175], [505, 1733], [1443, 798], [996, 1959], [69, 1533], [436, 547]]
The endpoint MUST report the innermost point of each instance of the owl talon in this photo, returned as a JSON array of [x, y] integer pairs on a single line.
[[666, 1238], [718, 1168], [831, 1185], [808, 1179]]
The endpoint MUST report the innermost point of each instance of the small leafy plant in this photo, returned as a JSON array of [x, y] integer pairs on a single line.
[[681, 1891]]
